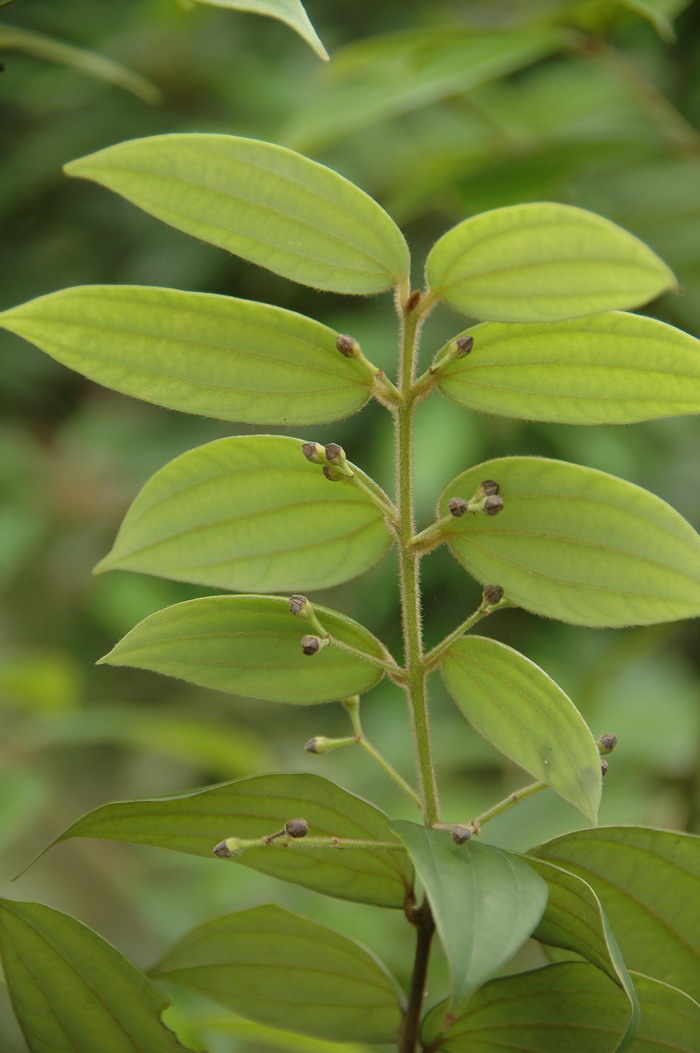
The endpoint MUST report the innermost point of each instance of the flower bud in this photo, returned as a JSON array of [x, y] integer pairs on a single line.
[[335, 454], [347, 345], [460, 834], [320, 744], [457, 506], [228, 848], [335, 472], [310, 644], [463, 345], [314, 452], [296, 827], [489, 487], [297, 604], [603, 767], [606, 743], [493, 594], [493, 504]]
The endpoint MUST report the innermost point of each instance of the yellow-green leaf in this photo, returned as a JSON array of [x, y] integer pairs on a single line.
[[248, 513], [289, 11], [577, 544], [612, 368], [195, 822], [527, 716], [196, 352], [73, 992], [263, 202], [251, 645], [283, 969], [543, 262]]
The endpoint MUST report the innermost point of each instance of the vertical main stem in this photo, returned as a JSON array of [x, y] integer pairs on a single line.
[[410, 573]]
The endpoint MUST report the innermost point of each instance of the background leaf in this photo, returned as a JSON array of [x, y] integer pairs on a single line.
[[73, 992], [569, 1008], [577, 544], [290, 11], [89, 62], [250, 645], [574, 919], [263, 202], [542, 262], [250, 513], [524, 714], [195, 352], [283, 969], [485, 902], [612, 368], [645, 880], [195, 822]]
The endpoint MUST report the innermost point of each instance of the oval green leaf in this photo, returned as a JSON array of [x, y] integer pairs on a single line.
[[542, 262], [251, 645], [485, 902], [612, 368], [250, 513], [568, 1008], [289, 11], [646, 880], [196, 352], [263, 202], [282, 969], [74, 993], [575, 921], [527, 716], [195, 822], [577, 544]]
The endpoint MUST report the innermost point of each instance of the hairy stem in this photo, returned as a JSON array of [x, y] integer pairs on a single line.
[[409, 563], [352, 705], [410, 1025]]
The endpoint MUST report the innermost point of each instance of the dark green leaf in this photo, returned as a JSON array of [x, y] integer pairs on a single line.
[[247, 513], [73, 992], [195, 352], [577, 544], [647, 881], [195, 822], [282, 969], [485, 902], [613, 368], [524, 714], [263, 202], [568, 1008], [251, 645]]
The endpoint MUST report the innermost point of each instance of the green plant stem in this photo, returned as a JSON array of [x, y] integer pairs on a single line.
[[409, 570], [237, 845], [507, 802], [383, 503], [433, 657], [352, 705], [388, 665], [409, 1033]]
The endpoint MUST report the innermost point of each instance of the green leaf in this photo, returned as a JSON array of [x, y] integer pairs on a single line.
[[542, 262], [89, 62], [247, 513], [196, 352], [612, 368], [283, 969], [251, 645], [568, 1008], [577, 544], [485, 902], [195, 822], [390, 74], [73, 992], [646, 880], [575, 920], [527, 716], [263, 202], [289, 11]]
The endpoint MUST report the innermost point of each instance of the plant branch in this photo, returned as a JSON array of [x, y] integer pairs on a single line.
[[507, 802], [409, 1033], [352, 705], [409, 569], [388, 665], [231, 847], [433, 657]]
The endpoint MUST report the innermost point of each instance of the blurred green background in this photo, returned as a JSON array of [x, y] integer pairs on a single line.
[[579, 102]]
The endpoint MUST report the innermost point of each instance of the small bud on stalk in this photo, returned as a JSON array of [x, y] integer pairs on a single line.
[[297, 604], [347, 345], [606, 744], [489, 487], [296, 827], [604, 766], [310, 644], [457, 506], [229, 848], [493, 504], [461, 834], [463, 345], [321, 744], [493, 594], [314, 452]]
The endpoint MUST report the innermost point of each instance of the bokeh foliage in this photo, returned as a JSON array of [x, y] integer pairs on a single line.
[[583, 103]]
